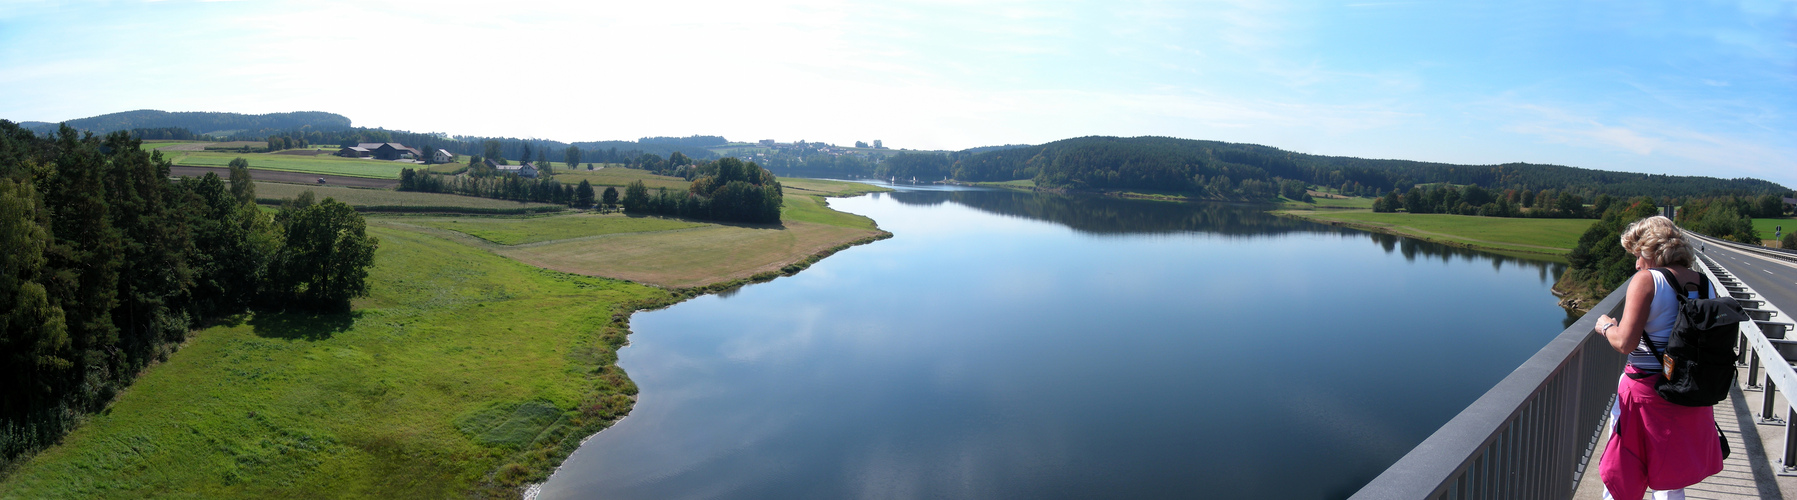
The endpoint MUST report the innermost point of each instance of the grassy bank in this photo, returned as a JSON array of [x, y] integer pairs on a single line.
[[1534, 238]]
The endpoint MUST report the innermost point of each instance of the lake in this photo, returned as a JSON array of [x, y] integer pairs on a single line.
[[1007, 344]]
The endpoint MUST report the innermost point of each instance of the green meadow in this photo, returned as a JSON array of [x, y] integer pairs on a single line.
[[1553, 237], [1764, 227], [320, 164], [388, 200], [518, 231], [463, 372]]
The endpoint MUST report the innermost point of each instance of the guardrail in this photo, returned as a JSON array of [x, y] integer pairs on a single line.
[[1776, 253], [1765, 339], [1528, 437]]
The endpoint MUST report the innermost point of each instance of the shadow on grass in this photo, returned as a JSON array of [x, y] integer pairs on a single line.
[[302, 325]]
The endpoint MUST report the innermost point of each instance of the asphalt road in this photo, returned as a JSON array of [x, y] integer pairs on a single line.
[[1775, 280], [260, 175]]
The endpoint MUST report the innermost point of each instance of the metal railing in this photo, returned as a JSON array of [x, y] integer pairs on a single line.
[[1528, 437], [1785, 254], [1765, 339], [1533, 434]]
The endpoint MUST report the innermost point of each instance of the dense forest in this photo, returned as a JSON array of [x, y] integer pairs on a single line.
[[200, 122], [1229, 171], [106, 264], [724, 190], [1212, 169]]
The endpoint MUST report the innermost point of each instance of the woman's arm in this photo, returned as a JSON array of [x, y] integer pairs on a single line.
[[1627, 332]]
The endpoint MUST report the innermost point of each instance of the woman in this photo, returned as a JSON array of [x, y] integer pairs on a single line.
[[1654, 443]]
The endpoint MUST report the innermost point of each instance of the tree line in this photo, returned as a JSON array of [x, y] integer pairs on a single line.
[[1220, 170], [501, 187], [723, 190], [1730, 217], [105, 265]]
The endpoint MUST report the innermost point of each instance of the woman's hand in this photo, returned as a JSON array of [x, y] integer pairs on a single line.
[[1604, 320]]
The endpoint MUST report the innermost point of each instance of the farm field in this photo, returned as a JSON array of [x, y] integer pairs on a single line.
[[1554, 237], [267, 192], [518, 231], [464, 372], [694, 257], [666, 251], [620, 177], [322, 164], [1764, 227], [1321, 202]]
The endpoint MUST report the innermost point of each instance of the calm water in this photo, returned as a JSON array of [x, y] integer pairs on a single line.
[[1016, 345]]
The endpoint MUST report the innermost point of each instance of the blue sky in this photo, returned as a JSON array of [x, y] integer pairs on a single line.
[[1679, 87]]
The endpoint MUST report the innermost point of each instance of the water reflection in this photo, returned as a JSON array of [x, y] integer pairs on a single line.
[[1101, 215], [1109, 216]]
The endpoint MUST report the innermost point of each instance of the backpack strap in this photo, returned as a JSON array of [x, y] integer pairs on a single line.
[[1670, 278]]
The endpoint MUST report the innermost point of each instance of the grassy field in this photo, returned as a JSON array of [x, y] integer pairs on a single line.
[[620, 177], [519, 231], [154, 145], [1552, 237], [386, 199], [695, 257], [322, 164], [804, 201], [666, 251], [1321, 202], [1019, 183], [464, 371], [1764, 226]]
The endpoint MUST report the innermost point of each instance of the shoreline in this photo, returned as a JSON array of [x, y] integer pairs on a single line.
[[1471, 245], [678, 295]]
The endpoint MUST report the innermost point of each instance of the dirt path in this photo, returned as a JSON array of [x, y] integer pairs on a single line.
[[287, 177]]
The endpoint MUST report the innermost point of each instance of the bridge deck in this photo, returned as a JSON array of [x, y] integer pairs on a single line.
[[1749, 470]]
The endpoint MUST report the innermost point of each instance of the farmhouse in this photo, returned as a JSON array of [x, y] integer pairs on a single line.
[[525, 170], [381, 150], [442, 156]]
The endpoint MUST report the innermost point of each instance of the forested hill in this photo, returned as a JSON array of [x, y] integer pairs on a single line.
[[200, 122], [1211, 169]]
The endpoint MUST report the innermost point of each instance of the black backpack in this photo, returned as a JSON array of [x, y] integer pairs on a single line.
[[1699, 362]]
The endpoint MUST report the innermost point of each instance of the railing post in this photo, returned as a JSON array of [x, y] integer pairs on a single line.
[[1753, 373], [1768, 404], [1790, 455]]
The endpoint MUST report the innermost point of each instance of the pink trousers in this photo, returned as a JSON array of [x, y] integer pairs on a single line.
[[1657, 444]]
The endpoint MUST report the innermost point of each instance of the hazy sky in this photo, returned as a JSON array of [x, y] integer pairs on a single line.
[[1682, 87]]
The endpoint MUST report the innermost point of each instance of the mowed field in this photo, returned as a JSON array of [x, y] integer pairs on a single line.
[[620, 177], [320, 164], [1537, 236], [382, 198], [662, 251], [465, 374], [1765, 227], [518, 231]]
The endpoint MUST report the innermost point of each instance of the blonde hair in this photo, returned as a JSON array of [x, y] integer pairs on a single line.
[[1658, 240]]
